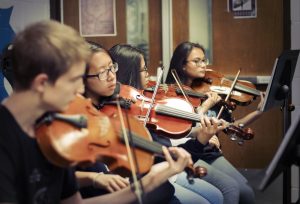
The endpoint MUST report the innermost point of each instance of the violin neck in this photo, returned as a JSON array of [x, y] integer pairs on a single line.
[[192, 93], [141, 143], [246, 89], [166, 110]]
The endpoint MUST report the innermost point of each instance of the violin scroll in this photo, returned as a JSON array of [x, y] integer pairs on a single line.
[[238, 134], [195, 172]]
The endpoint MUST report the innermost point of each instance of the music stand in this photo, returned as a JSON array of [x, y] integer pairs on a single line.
[[278, 94], [278, 88], [286, 155]]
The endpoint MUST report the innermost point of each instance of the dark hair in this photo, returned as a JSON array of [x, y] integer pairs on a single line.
[[129, 61], [46, 47], [94, 48], [179, 59]]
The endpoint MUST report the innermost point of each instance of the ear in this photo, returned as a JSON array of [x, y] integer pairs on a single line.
[[40, 82]]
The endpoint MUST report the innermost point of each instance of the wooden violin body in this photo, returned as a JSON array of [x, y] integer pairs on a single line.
[[172, 127], [172, 90], [171, 117], [244, 92], [82, 135], [99, 139]]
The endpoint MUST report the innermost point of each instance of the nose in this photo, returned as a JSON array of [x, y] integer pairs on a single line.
[[111, 75], [80, 88]]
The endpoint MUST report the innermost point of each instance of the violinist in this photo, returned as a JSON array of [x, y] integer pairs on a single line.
[[100, 87], [190, 63], [49, 61], [133, 71]]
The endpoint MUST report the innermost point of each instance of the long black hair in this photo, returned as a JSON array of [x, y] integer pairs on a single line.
[[179, 59], [129, 62]]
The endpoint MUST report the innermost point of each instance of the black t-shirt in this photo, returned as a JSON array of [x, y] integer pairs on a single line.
[[25, 174]]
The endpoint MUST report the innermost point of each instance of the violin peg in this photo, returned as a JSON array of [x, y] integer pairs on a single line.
[[241, 142], [201, 171], [233, 137]]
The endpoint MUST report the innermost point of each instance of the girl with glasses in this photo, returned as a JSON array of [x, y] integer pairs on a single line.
[[190, 62], [131, 61], [101, 86]]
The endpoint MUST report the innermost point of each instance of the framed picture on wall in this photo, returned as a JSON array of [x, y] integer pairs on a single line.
[[242, 8], [97, 18]]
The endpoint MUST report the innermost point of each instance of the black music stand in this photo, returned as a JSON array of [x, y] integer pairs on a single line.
[[279, 87], [278, 95]]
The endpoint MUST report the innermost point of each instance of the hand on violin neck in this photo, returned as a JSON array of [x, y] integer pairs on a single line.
[[211, 101], [209, 126], [214, 141], [177, 158]]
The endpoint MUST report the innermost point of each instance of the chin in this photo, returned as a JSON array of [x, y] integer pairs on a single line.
[[202, 75], [109, 93]]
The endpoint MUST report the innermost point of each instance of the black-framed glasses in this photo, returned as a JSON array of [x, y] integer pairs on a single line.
[[144, 69], [103, 75], [200, 62]]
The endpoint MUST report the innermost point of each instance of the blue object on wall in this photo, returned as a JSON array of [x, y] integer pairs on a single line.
[[7, 34]]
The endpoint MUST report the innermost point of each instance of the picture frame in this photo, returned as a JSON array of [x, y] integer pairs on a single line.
[[97, 18], [242, 8]]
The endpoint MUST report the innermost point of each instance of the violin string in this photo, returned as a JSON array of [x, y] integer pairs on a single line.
[[180, 113], [151, 146], [177, 113]]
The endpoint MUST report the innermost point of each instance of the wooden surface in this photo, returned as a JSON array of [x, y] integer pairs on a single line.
[[180, 21], [252, 45], [155, 35]]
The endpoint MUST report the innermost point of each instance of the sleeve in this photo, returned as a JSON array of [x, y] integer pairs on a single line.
[[8, 191], [70, 186], [195, 148], [7, 173]]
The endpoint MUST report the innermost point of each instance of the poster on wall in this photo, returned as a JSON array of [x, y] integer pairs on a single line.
[[97, 18], [242, 8]]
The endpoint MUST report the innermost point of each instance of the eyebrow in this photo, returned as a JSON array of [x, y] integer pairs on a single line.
[[77, 77], [104, 66]]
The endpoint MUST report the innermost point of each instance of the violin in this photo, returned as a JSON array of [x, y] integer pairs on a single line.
[[82, 135], [170, 117], [244, 92], [173, 127], [172, 90]]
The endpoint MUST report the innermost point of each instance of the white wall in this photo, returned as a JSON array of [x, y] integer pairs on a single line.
[[26, 12]]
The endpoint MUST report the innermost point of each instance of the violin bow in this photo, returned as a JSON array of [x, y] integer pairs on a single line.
[[179, 84], [138, 187], [158, 80], [229, 93]]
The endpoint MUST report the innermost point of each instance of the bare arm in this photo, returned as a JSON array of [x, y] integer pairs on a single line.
[[109, 182], [158, 174], [211, 101], [248, 119]]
